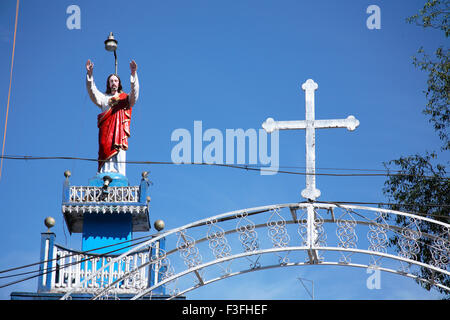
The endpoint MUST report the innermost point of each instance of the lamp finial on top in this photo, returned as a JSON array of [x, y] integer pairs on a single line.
[[111, 43]]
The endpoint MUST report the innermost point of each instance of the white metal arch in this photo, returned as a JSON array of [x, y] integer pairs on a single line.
[[298, 264], [291, 229], [281, 265]]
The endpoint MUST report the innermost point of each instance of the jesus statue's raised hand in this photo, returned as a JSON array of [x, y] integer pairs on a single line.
[[89, 67], [133, 67]]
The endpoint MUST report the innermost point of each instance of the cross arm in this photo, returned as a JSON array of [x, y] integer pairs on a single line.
[[270, 125], [351, 123]]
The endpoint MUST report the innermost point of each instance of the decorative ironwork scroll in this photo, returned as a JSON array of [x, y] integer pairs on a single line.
[[218, 243], [248, 237], [377, 237], [278, 233], [190, 253], [409, 247], [346, 234], [440, 250]]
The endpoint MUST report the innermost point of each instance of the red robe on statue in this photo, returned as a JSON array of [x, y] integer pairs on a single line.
[[114, 128]]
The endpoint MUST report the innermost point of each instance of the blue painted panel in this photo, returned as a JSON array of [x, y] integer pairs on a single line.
[[103, 230], [45, 269], [100, 230], [119, 180]]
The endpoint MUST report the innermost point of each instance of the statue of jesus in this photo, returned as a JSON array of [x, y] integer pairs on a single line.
[[114, 120]]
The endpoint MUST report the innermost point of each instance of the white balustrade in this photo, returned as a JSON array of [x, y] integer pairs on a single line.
[[73, 267], [84, 194]]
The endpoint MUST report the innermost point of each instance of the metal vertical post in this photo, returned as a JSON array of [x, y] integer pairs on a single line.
[[156, 270], [312, 234], [46, 272]]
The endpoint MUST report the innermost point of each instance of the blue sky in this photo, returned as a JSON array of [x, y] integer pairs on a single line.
[[231, 65]]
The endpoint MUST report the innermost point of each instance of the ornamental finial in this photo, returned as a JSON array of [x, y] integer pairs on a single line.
[[159, 224], [67, 174], [49, 223]]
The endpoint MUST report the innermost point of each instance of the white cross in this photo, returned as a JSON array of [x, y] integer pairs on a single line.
[[310, 124]]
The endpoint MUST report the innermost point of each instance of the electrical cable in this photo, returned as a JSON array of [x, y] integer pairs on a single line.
[[242, 167], [68, 264], [75, 253], [389, 227], [9, 90], [396, 204]]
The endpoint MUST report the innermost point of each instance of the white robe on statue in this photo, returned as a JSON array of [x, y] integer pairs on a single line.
[[116, 163]]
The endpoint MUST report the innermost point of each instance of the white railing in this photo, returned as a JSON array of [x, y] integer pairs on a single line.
[[83, 194], [72, 268]]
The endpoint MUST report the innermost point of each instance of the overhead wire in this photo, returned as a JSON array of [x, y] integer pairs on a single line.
[[64, 266], [90, 251], [396, 204], [389, 227], [9, 90], [236, 166], [56, 267]]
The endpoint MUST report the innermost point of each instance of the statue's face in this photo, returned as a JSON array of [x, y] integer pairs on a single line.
[[114, 84]]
